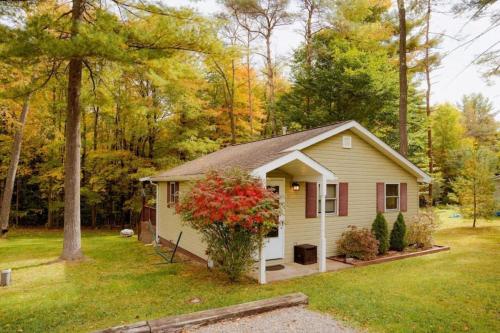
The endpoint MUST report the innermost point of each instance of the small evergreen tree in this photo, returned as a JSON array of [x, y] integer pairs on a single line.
[[398, 234], [381, 233]]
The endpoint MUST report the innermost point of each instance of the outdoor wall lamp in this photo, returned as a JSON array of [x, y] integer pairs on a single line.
[[295, 186]]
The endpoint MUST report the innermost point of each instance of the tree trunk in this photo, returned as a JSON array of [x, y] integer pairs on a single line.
[[474, 193], [428, 97], [231, 105], [14, 162], [94, 216], [403, 81], [270, 87], [50, 218], [84, 147], [96, 127], [311, 7], [72, 233], [249, 85], [18, 195]]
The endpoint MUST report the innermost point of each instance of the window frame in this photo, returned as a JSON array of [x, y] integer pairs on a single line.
[[173, 194], [398, 205], [336, 204]]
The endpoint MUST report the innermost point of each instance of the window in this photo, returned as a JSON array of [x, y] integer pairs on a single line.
[[391, 196], [346, 141], [330, 199], [173, 191]]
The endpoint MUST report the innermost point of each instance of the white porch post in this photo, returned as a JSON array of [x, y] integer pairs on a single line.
[[322, 235], [262, 253]]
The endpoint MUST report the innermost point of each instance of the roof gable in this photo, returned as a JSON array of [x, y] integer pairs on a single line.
[[258, 154], [369, 137]]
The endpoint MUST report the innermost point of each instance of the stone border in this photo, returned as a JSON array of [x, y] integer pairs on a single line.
[[201, 318], [434, 249]]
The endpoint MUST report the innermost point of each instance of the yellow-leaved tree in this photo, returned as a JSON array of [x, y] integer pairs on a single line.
[[475, 187]]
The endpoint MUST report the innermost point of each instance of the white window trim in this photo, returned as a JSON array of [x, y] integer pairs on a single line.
[[347, 142], [172, 193], [318, 208], [385, 197]]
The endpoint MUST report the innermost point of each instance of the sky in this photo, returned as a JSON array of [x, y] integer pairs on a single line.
[[454, 78]]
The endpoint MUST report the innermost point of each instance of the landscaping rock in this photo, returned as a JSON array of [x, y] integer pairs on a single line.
[[127, 233]]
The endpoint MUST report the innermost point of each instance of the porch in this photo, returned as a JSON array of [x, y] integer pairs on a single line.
[[294, 270], [289, 176]]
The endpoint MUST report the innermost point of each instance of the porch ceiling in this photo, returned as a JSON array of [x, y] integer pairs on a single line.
[[298, 168], [295, 163]]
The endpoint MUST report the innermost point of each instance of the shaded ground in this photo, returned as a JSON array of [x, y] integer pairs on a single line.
[[120, 282], [295, 319]]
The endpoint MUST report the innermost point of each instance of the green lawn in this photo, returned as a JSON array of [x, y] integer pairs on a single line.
[[119, 283]]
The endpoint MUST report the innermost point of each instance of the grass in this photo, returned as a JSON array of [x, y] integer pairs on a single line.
[[119, 282]]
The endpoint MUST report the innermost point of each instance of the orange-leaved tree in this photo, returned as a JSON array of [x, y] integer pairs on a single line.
[[233, 212]]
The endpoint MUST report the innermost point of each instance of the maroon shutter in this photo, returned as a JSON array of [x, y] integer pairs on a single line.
[[343, 198], [403, 197], [380, 198], [311, 199], [168, 194]]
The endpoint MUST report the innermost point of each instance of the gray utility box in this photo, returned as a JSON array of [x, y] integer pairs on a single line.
[[5, 277]]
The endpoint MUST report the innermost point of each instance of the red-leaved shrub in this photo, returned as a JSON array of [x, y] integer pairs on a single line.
[[233, 212]]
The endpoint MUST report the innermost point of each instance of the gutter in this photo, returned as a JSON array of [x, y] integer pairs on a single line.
[[157, 210]]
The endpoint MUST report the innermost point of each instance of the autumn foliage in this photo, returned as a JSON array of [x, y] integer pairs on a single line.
[[232, 211]]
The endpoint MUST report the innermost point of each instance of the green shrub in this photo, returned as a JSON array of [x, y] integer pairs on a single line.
[[420, 230], [231, 249], [357, 243], [381, 233], [398, 234]]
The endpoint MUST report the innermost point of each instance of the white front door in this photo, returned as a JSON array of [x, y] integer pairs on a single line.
[[275, 240]]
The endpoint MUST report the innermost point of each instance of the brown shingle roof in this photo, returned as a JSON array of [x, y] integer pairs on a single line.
[[247, 156]]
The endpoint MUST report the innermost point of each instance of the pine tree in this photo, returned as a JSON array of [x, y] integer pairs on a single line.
[[381, 232], [398, 234]]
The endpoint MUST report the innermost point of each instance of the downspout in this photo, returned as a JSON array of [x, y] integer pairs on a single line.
[[157, 210]]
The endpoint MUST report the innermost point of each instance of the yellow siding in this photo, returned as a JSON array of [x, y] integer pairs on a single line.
[[170, 224], [362, 167]]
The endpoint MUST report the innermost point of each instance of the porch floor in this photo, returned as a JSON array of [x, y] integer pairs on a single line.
[[293, 270]]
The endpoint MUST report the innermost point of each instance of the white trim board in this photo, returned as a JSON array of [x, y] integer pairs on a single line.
[[371, 138]]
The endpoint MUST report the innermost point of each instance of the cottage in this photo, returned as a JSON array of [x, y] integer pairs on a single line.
[[328, 178]]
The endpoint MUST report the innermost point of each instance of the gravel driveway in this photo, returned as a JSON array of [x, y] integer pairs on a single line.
[[295, 319]]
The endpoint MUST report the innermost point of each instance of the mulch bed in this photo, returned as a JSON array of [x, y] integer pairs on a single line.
[[392, 255]]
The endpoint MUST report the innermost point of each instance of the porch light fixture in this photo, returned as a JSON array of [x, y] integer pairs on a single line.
[[295, 187]]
